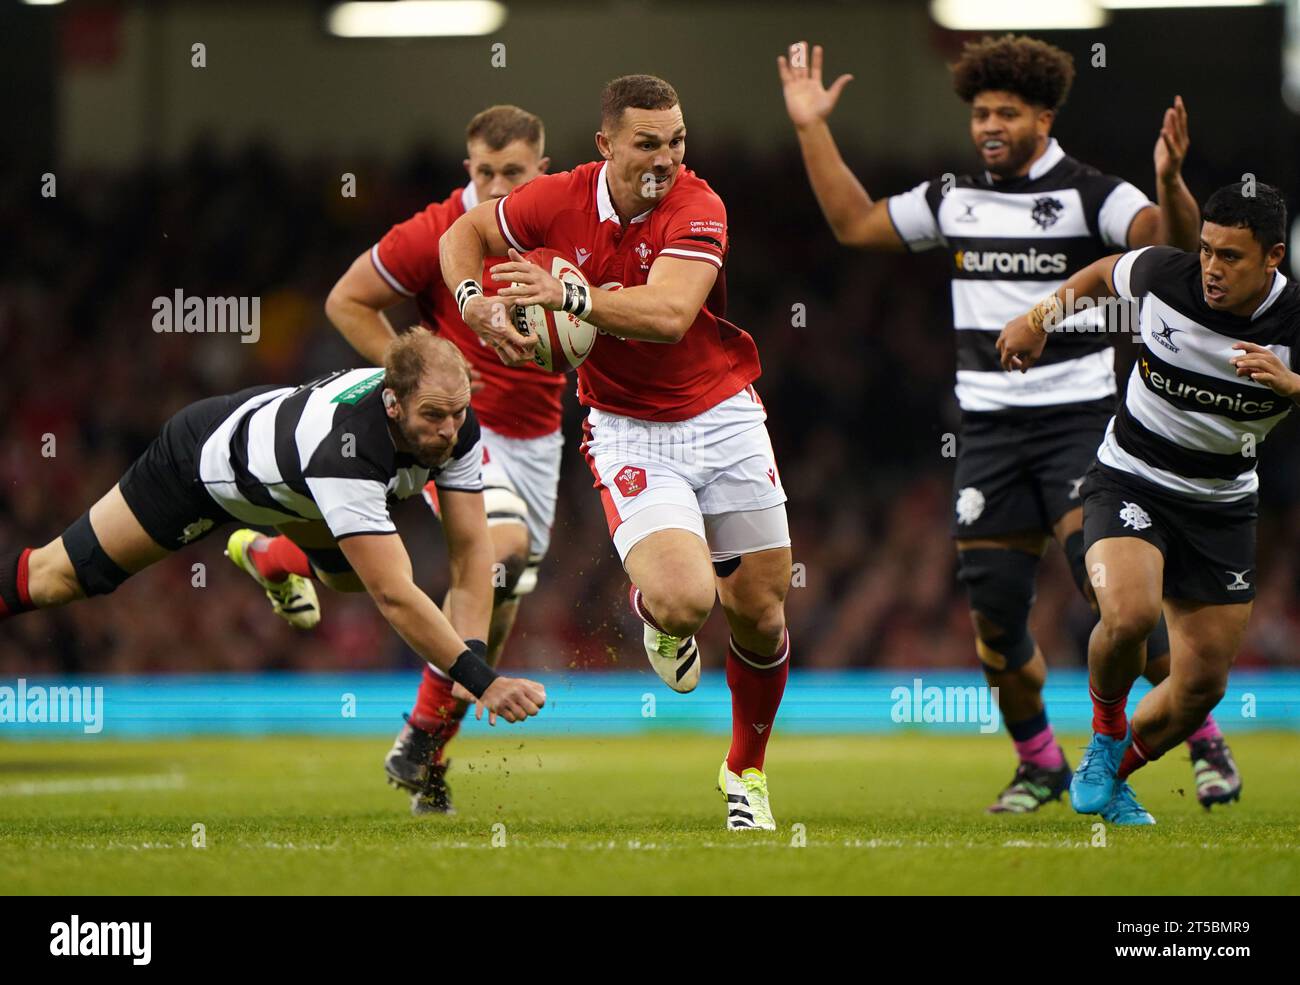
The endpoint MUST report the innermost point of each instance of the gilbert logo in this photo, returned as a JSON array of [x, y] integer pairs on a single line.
[[75, 939], [1166, 335]]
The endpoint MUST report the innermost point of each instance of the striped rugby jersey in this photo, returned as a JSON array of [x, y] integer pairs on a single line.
[[1013, 242], [1188, 423], [322, 451]]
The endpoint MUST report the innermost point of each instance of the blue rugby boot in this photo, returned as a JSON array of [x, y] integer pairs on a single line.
[[1095, 780], [1124, 809]]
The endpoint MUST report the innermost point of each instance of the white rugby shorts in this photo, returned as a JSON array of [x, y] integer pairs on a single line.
[[713, 474], [521, 477]]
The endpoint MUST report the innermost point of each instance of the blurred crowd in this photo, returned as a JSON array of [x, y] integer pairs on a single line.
[[857, 359]]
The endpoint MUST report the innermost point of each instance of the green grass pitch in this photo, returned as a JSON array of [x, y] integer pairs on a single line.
[[896, 814]]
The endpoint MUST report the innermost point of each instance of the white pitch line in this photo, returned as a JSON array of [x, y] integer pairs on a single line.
[[102, 784]]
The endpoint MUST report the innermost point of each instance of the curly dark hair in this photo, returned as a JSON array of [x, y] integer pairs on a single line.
[[1039, 73]]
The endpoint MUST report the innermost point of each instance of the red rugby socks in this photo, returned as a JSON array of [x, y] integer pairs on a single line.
[[757, 683], [276, 558]]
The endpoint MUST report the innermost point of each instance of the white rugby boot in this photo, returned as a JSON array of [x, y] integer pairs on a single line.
[[294, 599], [747, 803], [675, 660]]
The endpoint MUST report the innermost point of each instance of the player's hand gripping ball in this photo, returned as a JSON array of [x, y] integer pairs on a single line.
[[564, 341]]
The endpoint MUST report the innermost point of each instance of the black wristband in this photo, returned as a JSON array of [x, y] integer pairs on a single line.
[[577, 299], [478, 648], [465, 290], [472, 673]]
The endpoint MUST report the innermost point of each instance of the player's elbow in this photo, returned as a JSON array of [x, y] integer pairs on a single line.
[[333, 301], [674, 325], [848, 235], [337, 303], [856, 234], [456, 235]]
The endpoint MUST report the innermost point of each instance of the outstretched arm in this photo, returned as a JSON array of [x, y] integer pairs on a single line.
[[384, 567], [854, 217], [469, 556], [1022, 340]]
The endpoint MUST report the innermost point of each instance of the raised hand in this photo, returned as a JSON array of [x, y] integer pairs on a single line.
[[1171, 145], [806, 99]]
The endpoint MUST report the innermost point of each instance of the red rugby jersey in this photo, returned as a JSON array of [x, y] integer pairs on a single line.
[[515, 401], [572, 212]]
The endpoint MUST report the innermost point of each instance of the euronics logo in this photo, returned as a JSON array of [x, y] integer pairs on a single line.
[[1010, 262]]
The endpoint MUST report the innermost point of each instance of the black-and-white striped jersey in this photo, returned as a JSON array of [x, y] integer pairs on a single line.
[[323, 451], [1013, 242], [1188, 423]]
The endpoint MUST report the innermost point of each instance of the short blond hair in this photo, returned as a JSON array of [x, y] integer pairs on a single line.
[[417, 354], [500, 126]]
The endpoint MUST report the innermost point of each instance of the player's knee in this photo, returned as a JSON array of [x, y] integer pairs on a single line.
[[1000, 586], [681, 613], [1128, 621], [506, 574], [96, 573], [762, 613], [1198, 691], [50, 577], [770, 622]]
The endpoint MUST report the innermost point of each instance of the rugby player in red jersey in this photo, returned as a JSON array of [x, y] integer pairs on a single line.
[[519, 409], [675, 434]]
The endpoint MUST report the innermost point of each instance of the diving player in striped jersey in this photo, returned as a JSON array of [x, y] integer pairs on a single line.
[[318, 462], [519, 408], [1170, 505], [1013, 232]]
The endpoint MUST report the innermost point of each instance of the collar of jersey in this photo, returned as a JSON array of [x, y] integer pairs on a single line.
[[469, 196], [1274, 293], [605, 205], [1051, 157]]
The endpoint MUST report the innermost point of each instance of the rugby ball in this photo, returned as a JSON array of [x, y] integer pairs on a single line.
[[563, 340]]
